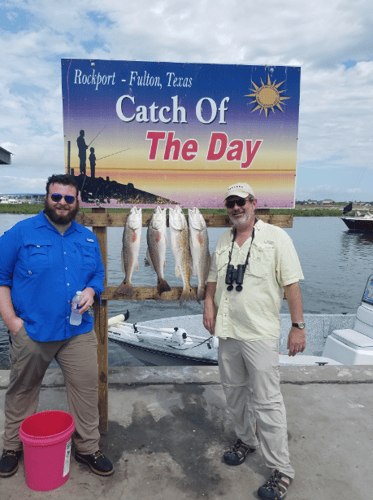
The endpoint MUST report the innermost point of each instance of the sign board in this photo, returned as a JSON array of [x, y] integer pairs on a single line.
[[153, 133]]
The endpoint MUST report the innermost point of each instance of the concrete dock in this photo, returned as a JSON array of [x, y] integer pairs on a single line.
[[168, 429]]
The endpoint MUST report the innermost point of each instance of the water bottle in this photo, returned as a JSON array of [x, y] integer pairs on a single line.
[[75, 317]]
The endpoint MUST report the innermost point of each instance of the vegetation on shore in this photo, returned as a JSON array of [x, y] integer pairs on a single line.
[[29, 209]]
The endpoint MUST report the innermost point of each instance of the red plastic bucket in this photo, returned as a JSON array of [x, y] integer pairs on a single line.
[[46, 440]]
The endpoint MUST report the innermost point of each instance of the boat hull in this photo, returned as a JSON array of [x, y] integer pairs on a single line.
[[358, 224], [156, 357]]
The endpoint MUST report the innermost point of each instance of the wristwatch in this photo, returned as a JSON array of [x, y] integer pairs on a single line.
[[301, 325]]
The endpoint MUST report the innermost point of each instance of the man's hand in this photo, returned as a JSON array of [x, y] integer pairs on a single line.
[[209, 312], [296, 341], [86, 299], [209, 319], [15, 325]]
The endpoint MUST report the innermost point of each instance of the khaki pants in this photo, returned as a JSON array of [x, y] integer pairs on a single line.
[[249, 372], [29, 361]]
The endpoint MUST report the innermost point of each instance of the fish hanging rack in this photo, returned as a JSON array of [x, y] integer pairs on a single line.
[[100, 220]]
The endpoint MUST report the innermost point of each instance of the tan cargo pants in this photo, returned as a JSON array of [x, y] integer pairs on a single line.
[[249, 373], [29, 361]]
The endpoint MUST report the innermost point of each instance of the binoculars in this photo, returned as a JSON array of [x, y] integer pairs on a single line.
[[235, 275]]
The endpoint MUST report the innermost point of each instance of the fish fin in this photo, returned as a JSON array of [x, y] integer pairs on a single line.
[[188, 295], [137, 266], [122, 259], [177, 272], [201, 294], [163, 286], [149, 258], [124, 289]]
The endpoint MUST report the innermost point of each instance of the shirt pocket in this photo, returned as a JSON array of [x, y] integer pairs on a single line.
[[88, 255], [39, 254], [261, 257]]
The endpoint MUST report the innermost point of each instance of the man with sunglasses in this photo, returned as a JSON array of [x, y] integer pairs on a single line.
[[252, 265], [44, 261]]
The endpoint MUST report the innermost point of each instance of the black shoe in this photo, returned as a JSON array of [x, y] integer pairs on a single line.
[[237, 454], [97, 462], [9, 462], [276, 487]]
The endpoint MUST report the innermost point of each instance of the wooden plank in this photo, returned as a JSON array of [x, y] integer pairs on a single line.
[[145, 293], [101, 326], [212, 220]]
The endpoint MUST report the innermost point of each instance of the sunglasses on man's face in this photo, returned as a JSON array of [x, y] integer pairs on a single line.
[[231, 203], [58, 197]]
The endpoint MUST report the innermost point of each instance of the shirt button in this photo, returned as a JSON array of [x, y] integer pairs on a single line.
[[68, 284], [64, 253], [66, 268], [30, 272]]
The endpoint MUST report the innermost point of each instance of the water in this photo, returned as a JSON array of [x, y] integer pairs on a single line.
[[336, 264]]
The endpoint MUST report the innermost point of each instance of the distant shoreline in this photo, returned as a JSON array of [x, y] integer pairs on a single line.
[[29, 209]]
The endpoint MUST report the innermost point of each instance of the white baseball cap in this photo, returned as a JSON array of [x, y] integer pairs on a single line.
[[241, 189]]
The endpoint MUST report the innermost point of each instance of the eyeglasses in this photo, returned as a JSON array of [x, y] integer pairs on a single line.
[[58, 197], [231, 203]]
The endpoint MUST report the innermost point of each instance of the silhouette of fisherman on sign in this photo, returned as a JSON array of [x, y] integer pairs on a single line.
[[82, 152], [92, 162]]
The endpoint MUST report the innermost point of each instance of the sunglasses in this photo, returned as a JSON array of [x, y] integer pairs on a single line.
[[231, 203], [58, 197]]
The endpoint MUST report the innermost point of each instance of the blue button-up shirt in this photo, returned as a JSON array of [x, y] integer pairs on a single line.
[[45, 270]]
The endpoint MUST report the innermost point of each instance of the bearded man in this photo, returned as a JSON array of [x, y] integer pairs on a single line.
[[44, 261], [251, 267]]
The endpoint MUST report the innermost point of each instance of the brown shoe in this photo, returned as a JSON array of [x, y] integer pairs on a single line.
[[9, 462], [276, 487], [237, 454]]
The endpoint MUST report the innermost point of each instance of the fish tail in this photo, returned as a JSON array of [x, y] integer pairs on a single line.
[[188, 295], [163, 286], [124, 289], [201, 294]]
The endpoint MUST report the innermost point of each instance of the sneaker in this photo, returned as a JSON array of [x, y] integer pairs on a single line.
[[238, 453], [97, 462], [276, 487], [9, 462]]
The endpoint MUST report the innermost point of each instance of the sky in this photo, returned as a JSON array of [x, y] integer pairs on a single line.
[[331, 41]]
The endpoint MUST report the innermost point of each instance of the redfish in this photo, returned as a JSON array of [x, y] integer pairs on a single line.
[[180, 248], [199, 247], [130, 250], [157, 242]]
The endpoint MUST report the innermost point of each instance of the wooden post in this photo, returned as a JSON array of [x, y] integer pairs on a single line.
[[101, 327]]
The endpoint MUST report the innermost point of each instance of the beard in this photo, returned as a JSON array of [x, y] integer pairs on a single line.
[[242, 221], [50, 211]]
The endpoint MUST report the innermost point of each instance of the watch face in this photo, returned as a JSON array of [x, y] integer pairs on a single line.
[[300, 325]]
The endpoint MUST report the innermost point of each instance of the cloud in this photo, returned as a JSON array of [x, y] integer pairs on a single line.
[[332, 42]]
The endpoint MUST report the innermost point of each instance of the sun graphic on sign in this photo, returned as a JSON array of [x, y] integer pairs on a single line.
[[267, 96]]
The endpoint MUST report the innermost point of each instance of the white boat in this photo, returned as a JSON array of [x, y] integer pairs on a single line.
[[157, 344], [332, 339], [166, 342]]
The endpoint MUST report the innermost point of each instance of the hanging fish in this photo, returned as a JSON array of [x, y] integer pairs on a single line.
[[199, 247], [157, 242], [130, 250], [180, 248]]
